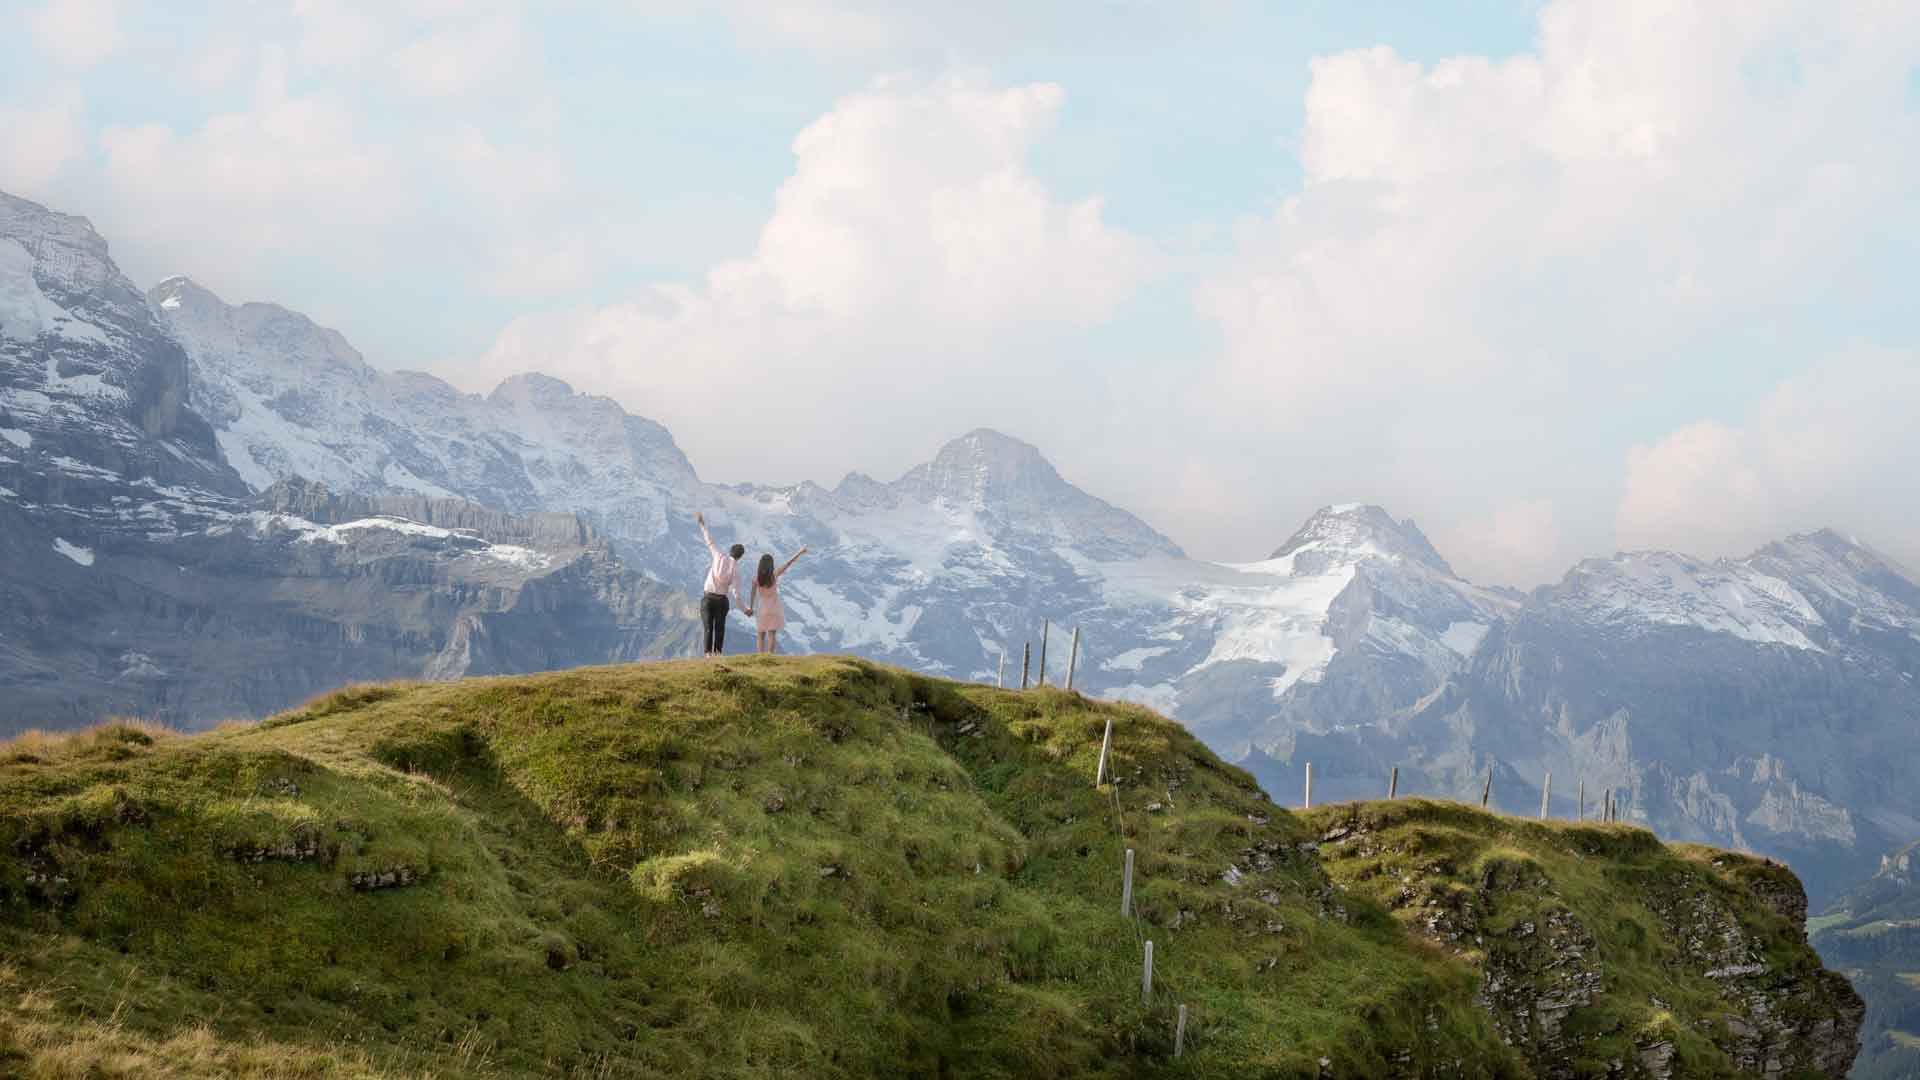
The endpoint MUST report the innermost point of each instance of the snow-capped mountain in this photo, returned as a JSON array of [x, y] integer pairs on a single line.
[[91, 383], [288, 398], [138, 575]]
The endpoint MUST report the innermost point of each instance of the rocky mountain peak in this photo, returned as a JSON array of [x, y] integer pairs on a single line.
[[1361, 529], [986, 467], [250, 335], [530, 388], [1009, 482], [86, 370], [181, 291], [71, 256]]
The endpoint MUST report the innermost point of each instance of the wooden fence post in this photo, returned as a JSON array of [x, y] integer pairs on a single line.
[[1487, 792], [1146, 977], [1026, 659], [1000, 680], [1545, 790], [1126, 887], [1180, 1032], [1393, 783], [1044, 627], [1307, 803], [1100, 770], [1073, 656]]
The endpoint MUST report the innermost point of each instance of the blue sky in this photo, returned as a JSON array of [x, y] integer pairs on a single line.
[[1554, 279]]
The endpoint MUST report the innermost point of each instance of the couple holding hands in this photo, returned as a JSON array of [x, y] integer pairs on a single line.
[[723, 577]]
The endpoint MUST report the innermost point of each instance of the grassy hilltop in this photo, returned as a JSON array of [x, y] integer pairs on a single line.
[[826, 867]]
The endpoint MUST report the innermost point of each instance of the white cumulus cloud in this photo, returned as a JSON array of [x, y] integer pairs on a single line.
[[908, 277], [1494, 264], [288, 173], [41, 139], [1837, 446]]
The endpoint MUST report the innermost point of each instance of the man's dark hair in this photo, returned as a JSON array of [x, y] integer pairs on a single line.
[[737, 550]]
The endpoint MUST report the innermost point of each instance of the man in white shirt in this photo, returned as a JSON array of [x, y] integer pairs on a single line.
[[723, 577]]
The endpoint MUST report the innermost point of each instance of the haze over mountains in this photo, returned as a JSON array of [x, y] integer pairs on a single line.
[[1766, 703]]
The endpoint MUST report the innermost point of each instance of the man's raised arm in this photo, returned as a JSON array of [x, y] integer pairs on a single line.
[[701, 517]]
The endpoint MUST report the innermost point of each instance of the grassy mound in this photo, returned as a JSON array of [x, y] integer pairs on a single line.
[[759, 867], [1601, 948], [823, 867]]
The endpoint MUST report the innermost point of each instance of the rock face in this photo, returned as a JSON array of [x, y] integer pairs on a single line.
[[1716, 935], [138, 574]]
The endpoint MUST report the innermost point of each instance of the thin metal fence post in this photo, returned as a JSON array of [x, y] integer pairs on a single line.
[[1026, 659], [1126, 887], [1044, 627], [1545, 790], [1100, 771], [1000, 680], [1180, 1032], [1146, 977], [1487, 792], [1393, 783], [1073, 656], [1307, 802], [1583, 800]]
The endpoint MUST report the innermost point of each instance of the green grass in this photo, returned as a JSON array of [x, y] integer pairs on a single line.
[[761, 867], [752, 868], [1817, 923]]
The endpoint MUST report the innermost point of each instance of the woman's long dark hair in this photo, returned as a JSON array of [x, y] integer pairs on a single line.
[[764, 575]]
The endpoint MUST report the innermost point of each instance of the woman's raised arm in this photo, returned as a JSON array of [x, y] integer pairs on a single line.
[[790, 562]]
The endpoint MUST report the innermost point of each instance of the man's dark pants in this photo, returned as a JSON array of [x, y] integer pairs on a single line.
[[713, 623]]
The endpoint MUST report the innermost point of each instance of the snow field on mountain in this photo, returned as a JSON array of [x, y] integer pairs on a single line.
[[81, 555], [1658, 588], [265, 523]]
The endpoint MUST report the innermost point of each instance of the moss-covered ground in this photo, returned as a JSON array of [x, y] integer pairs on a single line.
[[756, 867]]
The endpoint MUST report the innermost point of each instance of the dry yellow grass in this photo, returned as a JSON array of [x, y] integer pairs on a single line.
[[37, 745]]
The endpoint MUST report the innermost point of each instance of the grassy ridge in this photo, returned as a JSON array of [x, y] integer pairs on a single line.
[[753, 868], [1598, 945]]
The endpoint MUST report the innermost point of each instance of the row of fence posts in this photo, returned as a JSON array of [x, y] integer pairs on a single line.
[[1609, 810], [1126, 894], [1099, 781], [1026, 657]]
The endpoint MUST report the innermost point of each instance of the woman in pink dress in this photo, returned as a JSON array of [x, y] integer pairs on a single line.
[[769, 614]]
